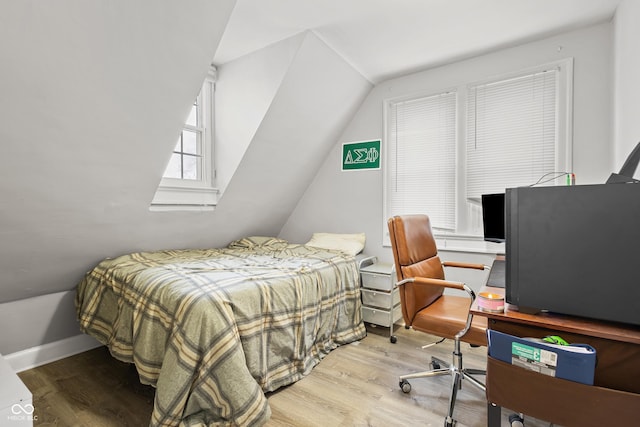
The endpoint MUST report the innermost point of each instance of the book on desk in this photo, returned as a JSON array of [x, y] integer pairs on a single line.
[[570, 362]]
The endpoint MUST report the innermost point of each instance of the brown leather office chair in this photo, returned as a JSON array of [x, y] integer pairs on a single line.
[[426, 308]]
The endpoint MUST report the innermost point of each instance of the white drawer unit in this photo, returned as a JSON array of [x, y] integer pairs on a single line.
[[380, 297]]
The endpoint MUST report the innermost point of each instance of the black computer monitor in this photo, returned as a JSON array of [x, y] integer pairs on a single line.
[[493, 217]]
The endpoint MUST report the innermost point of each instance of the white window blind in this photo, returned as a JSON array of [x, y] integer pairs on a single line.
[[511, 132], [421, 144]]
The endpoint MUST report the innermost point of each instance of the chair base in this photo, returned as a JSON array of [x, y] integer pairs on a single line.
[[457, 373]]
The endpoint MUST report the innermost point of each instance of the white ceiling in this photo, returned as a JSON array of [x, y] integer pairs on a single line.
[[388, 38]]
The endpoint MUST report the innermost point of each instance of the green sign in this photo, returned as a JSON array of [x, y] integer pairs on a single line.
[[361, 155]]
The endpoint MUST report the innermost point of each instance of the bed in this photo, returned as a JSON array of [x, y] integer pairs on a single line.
[[213, 330]]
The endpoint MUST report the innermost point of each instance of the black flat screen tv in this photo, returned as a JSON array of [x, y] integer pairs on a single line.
[[575, 250], [493, 217]]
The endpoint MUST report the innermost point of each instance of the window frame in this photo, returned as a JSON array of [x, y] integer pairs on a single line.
[[188, 194], [563, 149]]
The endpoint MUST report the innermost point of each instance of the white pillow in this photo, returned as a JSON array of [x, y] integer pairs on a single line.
[[351, 244]]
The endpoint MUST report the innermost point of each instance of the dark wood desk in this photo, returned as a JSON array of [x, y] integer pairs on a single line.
[[614, 399]]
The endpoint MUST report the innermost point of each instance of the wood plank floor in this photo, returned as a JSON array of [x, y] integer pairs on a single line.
[[355, 385]]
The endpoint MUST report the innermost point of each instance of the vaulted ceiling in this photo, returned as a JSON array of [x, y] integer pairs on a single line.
[[387, 38]]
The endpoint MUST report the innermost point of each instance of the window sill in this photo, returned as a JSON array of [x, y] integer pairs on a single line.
[[470, 244], [181, 208], [179, 198]]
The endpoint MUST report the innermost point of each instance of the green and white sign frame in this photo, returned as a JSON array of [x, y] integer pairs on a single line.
[[361, 155]]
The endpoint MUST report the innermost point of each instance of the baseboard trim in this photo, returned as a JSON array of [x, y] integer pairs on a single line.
[[50, 352]]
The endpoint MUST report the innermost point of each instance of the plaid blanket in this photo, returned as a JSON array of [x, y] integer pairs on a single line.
[[214, 329]]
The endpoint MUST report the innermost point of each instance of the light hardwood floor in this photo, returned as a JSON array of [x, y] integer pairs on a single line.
[[355, 385]]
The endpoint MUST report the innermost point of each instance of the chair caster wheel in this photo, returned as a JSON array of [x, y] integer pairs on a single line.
[[393, 339], [435, 365], [515, 420], [405, 386]]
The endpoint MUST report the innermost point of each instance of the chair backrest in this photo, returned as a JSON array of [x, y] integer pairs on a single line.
[[415, 255]]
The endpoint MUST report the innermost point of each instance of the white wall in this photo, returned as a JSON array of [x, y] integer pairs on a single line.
[[245, 89], [351, 202], [41, 319], [94, 95], [314, 101], [627, 81]]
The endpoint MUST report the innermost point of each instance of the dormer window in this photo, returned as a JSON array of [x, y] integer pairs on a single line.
[[188, 180]]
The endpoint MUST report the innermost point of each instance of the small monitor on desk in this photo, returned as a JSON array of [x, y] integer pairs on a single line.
[[493, 217]]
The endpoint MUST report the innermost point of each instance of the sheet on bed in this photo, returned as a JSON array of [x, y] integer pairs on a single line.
[[214, 329]]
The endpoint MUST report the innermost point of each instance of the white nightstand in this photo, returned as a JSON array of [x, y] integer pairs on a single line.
[[380, 297], [16, 401]]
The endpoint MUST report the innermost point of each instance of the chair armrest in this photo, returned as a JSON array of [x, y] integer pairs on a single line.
[[433, 282], [458, 264], [439, 282], [445, 284]]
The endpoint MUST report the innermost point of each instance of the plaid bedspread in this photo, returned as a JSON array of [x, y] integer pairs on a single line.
[[214, 329]]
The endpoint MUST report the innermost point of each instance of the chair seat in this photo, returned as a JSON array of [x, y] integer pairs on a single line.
[[444, 319]]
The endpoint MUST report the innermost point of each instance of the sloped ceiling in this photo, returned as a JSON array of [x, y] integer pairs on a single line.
[[383, 39], [314, 102], [94, 95]]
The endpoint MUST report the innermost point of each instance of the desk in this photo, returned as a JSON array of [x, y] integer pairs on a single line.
[[614, 398]]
